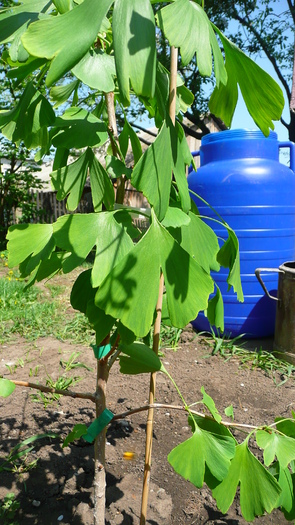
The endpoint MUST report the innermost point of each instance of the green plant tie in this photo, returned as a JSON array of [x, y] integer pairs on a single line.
[[101, 351]]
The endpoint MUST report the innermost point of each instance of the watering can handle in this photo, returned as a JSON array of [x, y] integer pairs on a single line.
[[290, 145], [257, 273]]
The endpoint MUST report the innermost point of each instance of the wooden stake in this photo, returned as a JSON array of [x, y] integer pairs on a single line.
[[150, 417], [157, 326]]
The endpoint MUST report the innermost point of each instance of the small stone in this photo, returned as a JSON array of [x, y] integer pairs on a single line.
[[161, 494], [60, 518], [36, 503]]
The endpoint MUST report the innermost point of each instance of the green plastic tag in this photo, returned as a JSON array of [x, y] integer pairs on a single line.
[[98, 425], [101, 351]]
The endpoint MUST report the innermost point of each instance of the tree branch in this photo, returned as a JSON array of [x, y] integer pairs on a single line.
[[123, 415], [48, 389]]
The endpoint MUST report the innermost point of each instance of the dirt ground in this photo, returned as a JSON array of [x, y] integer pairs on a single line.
[[59, 488]]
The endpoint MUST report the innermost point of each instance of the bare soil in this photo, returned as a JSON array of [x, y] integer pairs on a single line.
[[59, 488]]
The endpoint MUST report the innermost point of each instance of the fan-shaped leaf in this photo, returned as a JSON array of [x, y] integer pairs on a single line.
[[190, 458], [135, 47], [259, 491], [49, 38], [262, 95]]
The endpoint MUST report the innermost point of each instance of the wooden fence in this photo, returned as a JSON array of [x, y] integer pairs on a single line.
[[49, 209]]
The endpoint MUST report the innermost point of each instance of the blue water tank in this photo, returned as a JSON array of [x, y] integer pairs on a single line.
[[242, 179]]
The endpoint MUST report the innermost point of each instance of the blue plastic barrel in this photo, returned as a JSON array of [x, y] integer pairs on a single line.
[[242, 179]]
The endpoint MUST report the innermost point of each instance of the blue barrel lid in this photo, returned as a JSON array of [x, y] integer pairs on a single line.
[[234, 134]]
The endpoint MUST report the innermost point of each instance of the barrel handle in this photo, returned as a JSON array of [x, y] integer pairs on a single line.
[[290, 145], [195, 153], [257, 273]]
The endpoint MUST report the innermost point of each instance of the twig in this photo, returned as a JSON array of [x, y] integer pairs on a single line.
[[48, 389], [228, 424]]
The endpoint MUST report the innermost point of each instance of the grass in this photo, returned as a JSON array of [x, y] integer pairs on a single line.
[[266, 361], [33, 313]]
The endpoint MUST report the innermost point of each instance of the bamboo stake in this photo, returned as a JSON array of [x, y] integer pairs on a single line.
[[157, 325], [150, 417]]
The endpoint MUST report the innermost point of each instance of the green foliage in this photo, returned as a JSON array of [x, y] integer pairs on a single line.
[[110, 46]]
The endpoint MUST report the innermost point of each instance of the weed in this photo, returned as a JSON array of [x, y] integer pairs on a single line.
[[55, 289], [8, 509], [71, 363], [31, 315], [260, 358], [34, 371], [169, 337], [62, 383]]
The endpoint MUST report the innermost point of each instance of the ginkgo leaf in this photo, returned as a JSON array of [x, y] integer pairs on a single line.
[[49, 37], [286, 426], [200, 241], [275, 444], [20, 70], [286, 499], [229, 257], [210, 404], [96, 70], [203, 449], [135, 47], [259, 490], [63, 5], [130, 291], [153, 172], [79, 233], [18, 15], [60, 94], [175, 218], [6, 387], [215, 310], [78, 431], [29, 119], [139, 359], [78, 128], [70, 181], [194, 36], [116, 168], [262, 95], [127, 134], [82, 299], [31, 243]]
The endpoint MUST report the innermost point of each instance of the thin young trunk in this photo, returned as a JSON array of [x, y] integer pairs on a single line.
[[120, 194], [99, 447], [157, 325]]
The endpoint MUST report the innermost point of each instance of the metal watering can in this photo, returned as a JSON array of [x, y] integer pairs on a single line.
[[284, 340]]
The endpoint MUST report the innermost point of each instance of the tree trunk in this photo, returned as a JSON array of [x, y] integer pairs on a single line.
[[99, 447]]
